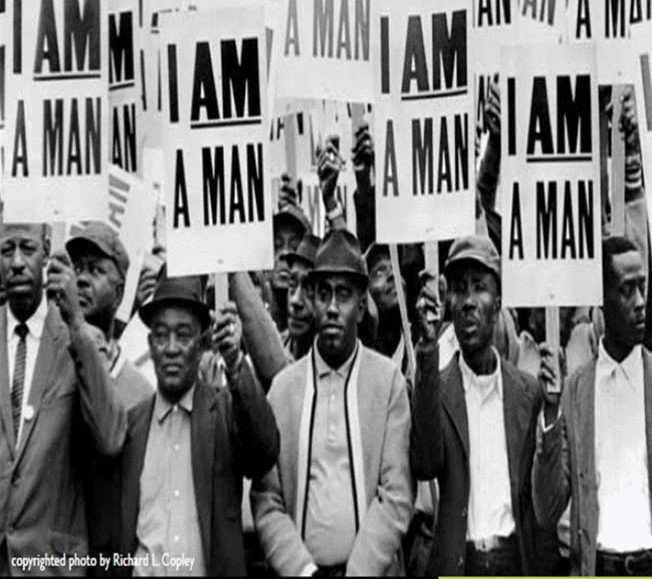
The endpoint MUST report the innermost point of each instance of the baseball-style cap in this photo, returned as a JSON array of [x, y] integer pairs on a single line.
[[103, 238], [340, 254], [476, 248]]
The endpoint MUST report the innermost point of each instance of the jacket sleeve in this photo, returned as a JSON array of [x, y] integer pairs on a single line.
[[426, 436], [101, 410], [389, 513], [256, 434], [551, 470], [260, 334], [278, 535]]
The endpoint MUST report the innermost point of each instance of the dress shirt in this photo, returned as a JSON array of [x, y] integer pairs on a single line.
[[35, 326], [490, 502], [330, 521], [621, 454], [168, 523]]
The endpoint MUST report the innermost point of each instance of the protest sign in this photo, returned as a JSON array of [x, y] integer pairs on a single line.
[[125, 96], [3, 61], [423, 121], [494, 25], [550, 173], [131, 211], [542, 21], [608, 23], [215, 140], [57, 111], [324, 50], [642, 63]]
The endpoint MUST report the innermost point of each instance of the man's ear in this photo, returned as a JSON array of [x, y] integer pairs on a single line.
[[119, 294]]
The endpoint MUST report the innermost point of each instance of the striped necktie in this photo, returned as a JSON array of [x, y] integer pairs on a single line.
[[18, 383]]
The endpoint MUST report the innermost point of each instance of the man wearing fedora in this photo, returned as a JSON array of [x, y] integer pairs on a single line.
[[340, 497], [189, 446], [473, 430]]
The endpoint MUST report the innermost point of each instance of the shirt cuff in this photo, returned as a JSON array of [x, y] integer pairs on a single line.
[[309, 570], [542, 421]]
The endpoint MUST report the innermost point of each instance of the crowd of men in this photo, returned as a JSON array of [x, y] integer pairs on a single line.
[[284, 433]]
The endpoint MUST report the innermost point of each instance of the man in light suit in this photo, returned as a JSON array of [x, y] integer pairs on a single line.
[[190, 444], [473, 430], [56, 405], [599, 451], [339, 500]]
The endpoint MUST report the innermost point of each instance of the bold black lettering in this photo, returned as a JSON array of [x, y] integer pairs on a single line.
[[422, 157], [614, 15], [47, 42], [362, 19], [546, 220], [213, 172], [322, 32], [414, 65], [292, 37], [344, 32], [121, 47], [444, 162], [585, 219], [390, 174], [83, 32], [204, 94], [573, 113], [384, 55], [568, 225], [173, 84], [74, 141], [20, 143], [516, 225], [511, 115], [180, 194], [583, 20], [237, 196], [539, 127], [449, 50], [240, 77], [255, 183], [461, 152], [94, 135], [52, 138]]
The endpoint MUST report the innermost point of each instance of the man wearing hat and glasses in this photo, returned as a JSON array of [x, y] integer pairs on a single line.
[[101, 263], [340, 497], [473, 429], [189, 447]]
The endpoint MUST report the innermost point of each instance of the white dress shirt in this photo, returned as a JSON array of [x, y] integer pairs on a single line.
[[32, 342], [621, 454], [490, 501]]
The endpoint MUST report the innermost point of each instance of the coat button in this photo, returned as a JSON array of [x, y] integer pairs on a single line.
[[464, 512], [460, 563]]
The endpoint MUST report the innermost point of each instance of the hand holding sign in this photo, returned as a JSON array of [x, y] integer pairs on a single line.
[[227, 335], [61, 288], [550, 382], [363, 157], [329, 165]]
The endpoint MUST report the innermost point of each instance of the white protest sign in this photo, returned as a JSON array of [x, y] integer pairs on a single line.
[[324, 48], [3, 62], [57, 111], [494, 25], [423, 121], [608, 23], [125, 92], [642, 57], [551, 177], [132, 207], [219, 212]]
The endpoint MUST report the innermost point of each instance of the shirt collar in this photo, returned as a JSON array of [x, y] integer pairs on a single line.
[[469, 377], [35, 324], [631, 366], [163, 407], [323, 369]]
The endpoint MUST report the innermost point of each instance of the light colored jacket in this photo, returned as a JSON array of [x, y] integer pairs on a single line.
[[380, 432]]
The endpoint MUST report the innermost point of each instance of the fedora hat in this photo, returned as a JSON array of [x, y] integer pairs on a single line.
[[181, 291], [340, 254], [306, 252]]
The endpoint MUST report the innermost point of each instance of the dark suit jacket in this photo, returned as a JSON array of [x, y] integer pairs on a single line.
[[439, 448], [565, 464], [233, 434], [42, 499]]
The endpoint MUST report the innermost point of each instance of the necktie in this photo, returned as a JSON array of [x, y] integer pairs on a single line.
[[18, 384]]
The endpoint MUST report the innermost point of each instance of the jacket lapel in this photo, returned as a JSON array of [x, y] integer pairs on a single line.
[[52, 342], [202, 444], [517, 420], [5, 388], [454, 402], [647, 388], [132, 467]]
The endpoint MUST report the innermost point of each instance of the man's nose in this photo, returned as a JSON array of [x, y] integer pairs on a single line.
[[18, 260]]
